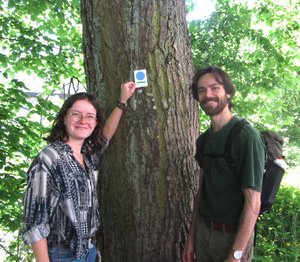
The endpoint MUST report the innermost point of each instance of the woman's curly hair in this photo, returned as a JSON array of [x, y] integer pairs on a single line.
[[59, 132]]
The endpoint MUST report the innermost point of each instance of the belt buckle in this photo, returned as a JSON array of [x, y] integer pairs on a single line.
[[217, 226]]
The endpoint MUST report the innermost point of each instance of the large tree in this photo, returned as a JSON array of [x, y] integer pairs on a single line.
[[148, 176], [43, 38]]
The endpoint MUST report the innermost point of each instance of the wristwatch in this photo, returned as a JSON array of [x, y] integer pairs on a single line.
[[237, 254]]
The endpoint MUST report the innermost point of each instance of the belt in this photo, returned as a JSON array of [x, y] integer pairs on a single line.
[[225, 228]]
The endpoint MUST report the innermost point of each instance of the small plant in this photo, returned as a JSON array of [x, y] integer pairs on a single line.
[[278, 232]]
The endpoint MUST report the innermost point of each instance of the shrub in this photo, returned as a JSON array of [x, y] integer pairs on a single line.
[[278, 232]]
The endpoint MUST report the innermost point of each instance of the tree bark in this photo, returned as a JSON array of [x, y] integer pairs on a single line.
[[148, 176]]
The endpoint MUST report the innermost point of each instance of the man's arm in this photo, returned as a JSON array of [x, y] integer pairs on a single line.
[[188, 253], [247, 221]]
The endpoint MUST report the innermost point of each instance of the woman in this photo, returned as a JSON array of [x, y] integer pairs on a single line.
[[61, 214]]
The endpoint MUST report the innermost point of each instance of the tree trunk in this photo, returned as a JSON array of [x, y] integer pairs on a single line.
[[148, 176]]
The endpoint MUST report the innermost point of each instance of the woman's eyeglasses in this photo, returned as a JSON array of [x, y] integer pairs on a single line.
[[77, 116]]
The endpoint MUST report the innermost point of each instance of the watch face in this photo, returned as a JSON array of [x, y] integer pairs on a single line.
[[238, 254]]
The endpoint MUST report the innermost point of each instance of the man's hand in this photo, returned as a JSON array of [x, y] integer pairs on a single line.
[[188, 254]]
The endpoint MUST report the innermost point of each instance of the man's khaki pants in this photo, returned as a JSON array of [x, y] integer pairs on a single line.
[[215, 246]]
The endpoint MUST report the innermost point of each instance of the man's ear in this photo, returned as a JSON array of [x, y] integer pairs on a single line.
[[228, 96]]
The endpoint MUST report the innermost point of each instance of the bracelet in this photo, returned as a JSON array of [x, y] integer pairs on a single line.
[[121, 105]]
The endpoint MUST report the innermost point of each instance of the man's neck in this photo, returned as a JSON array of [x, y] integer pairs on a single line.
[[221, 119]]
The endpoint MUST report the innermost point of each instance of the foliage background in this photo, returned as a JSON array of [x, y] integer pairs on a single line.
[[40, 40], [257, 42]]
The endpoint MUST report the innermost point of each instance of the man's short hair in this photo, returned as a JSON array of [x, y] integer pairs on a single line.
[[220, 76]]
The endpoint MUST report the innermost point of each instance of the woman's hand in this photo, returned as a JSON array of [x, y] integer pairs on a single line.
[[112, 123], [127, 90]]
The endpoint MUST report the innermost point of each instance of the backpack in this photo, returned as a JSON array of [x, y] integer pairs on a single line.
[[274, 165]]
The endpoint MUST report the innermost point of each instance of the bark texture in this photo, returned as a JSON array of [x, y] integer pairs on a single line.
[[148, 176]]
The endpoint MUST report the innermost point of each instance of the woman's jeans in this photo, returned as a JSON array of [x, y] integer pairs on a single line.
[[62, 254]]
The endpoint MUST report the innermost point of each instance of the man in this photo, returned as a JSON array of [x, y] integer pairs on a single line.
[[228, 201]]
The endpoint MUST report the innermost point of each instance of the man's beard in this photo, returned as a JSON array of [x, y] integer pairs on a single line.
[[212, 111]]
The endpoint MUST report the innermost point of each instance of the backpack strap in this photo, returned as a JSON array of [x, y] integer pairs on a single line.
[[233, 133], [200, 144], [200, 150]]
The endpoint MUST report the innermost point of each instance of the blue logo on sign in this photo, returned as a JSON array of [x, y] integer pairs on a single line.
[[140, 76]]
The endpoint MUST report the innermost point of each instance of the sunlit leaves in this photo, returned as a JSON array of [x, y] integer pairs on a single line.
[[43, 37], [43, 40], [257, 43]]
